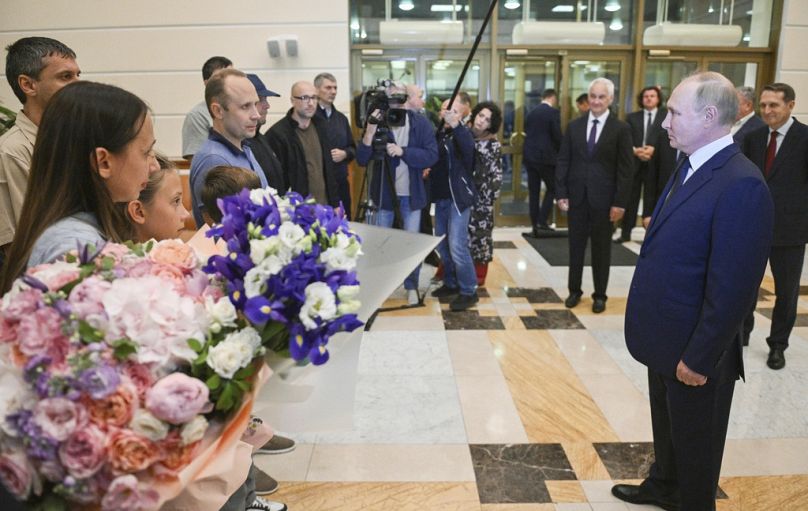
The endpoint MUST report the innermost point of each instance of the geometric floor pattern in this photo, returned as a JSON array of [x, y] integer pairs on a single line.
[[520, 404]]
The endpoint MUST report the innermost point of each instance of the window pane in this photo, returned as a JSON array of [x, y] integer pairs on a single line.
[[739, 73]]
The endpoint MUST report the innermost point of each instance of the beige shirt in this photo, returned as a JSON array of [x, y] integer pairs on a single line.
[[16, 149]]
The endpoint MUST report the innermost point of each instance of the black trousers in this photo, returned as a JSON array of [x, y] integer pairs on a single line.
[[344, 191], [630, 217], [786, 263], [540, 210], [690, 429], [586, 223]]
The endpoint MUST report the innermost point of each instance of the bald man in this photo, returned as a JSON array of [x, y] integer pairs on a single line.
[[301, 142]]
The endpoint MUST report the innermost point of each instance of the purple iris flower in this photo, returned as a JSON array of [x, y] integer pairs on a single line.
[[35, 283], [259, 310]]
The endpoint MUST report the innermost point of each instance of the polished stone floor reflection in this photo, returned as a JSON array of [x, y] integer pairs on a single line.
[[519, 404]]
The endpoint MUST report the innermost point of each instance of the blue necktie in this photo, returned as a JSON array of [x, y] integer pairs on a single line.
[[593, 133], [679, 179]]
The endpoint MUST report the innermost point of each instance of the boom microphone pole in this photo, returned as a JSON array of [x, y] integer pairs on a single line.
[[473, 51]]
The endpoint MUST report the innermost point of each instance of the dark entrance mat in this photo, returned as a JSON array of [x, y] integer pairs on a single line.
[[556, 252]]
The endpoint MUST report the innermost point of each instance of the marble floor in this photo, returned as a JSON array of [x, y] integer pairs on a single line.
[[523, 405]]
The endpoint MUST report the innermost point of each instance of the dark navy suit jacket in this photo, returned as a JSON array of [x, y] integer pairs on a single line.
[[748, 127], [542, 135], [699, 269]]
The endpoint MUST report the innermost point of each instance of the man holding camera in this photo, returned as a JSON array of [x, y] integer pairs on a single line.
[[404, 149]]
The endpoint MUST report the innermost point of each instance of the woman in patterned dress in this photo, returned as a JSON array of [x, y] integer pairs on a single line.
[[485, 121]]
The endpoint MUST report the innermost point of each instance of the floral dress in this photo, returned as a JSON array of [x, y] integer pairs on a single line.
[[487, 179]]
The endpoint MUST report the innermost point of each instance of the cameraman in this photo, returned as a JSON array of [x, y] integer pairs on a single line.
[[408, 150]]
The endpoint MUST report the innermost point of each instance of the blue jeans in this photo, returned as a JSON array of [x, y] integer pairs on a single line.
[[458, 267], [412, 223]]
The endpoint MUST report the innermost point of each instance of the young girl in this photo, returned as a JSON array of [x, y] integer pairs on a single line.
[[158, 212], [94, 148]]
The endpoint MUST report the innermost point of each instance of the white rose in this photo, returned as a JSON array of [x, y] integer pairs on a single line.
[[221, 313], [290, 234], [194, 431], [259, 195], [147, 425], [320, 302], [248, 336], [228, 357], [336, 258], [260, 249]]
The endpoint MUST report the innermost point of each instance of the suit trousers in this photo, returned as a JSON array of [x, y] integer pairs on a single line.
[[630, 217], [587, 223], [786, 263], [690, 428], [540, 210]]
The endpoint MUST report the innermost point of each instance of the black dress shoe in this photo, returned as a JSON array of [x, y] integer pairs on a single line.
[[636, 494], [598, 305], [572, 300], [545, 228], [621, 240], [776, 360], [534, 233], [445, 291]]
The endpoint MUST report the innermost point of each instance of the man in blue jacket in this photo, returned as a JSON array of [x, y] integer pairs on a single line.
[[453, 193], [409, 150], [697, 276]]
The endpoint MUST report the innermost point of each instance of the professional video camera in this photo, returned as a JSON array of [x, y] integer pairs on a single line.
[[376, 98]]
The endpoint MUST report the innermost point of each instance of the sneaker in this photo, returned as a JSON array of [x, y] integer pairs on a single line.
[[412, 297], [265, 484], [445, 291], [277, 445], [463, 302], [260, 504]]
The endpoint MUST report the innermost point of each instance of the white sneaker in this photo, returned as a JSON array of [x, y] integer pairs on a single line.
[[260, 504], [412, 297]]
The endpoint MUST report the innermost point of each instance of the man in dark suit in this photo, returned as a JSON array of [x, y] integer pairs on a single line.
[[780, 150], [542, 140], [698, 273], [646, 125], [660, 167], [593, 179], [746, 121]]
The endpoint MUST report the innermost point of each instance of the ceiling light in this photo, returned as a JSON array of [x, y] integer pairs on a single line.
[[612, 6], [563, 8], [512, 4], [355, 24], [445, 8], [406, 5], [616, 24]]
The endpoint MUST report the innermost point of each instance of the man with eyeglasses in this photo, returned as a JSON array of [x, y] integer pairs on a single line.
[[300, 140]]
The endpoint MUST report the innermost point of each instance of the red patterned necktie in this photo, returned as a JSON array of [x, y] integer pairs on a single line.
[[771, 151]]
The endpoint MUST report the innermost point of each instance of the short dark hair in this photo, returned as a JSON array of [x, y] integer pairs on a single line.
[[646, 89], [214, 89], [496, 114], [786, 89], [214, 64], [26, 57], [224, 180], [583, 98], [549, 93]]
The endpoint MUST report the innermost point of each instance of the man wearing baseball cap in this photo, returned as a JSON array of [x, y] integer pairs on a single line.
[[261, 149]]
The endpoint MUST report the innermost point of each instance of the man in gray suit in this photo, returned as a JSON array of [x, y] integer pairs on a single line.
[[746, 121]]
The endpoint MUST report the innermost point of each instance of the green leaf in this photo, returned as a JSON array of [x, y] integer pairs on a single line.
[[244, 372], [225, 401], [214, 382], [107, 263], [196, 345], [245, 386], [123, 348], [88, 334]]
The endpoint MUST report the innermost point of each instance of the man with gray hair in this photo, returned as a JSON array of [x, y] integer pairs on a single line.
[[36, 68], [301, 142], [746, 121], [593, 180], [340, 136], [699, 270]]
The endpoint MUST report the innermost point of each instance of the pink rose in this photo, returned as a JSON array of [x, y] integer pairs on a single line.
[[114, 410], [8, 331], [55, 275], [18, 476], [84, 452], [138, 269], [177, 398], [85, 298], [130, 452], [171, 275], [124, 494], [22, 304], [141, 377], [196, 284], [52, 471], [59, 417], [174, 253], [115, 251], [37, 331]]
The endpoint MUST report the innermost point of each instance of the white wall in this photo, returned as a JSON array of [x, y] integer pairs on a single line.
[[792, 66], [156, 48]]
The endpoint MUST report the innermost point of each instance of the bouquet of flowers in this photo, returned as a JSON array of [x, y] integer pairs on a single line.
[[118, 367], [290, 269]]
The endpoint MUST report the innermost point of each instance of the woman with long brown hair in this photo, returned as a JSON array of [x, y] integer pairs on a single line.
[[94, 148]]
